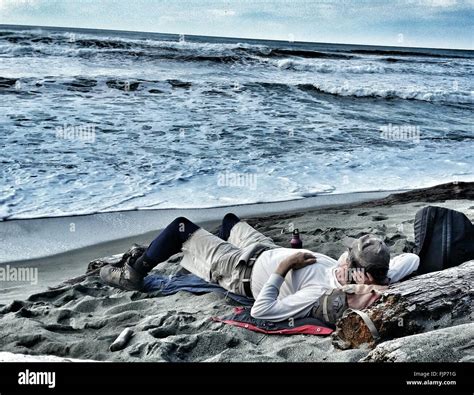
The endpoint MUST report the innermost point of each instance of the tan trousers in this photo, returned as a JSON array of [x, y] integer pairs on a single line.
[[223, 262]]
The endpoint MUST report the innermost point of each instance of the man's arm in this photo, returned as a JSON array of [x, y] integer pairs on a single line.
[[402, 266], [269, 307], [295, 262]]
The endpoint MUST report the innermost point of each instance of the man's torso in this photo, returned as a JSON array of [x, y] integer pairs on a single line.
[[321, 273]]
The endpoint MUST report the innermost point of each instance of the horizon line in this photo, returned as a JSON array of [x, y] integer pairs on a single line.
[[233, 37]]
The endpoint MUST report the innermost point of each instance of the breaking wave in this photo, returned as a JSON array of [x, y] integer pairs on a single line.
[[459, 97]]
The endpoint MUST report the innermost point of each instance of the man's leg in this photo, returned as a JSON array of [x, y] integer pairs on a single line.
[[168, 243], [228, 223], [241, 234], [214, 260]]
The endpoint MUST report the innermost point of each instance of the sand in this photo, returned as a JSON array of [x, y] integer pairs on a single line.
[[81, 320]]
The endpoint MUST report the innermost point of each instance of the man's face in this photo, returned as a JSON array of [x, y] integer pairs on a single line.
[[368, 251], [352, 274]]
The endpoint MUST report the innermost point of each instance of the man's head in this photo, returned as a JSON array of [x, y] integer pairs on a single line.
[[370, 254]]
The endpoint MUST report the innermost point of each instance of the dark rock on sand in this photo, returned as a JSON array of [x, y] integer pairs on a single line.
[[449, 191]]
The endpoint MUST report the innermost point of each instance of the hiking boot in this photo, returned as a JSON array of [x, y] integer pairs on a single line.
[[125, 277]]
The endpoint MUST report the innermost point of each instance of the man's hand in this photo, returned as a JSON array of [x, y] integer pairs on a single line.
[[362, 296], [295, 262], [360, 277], [301, 260], [361, 302]]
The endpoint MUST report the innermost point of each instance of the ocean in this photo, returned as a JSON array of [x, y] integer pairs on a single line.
[[97, 121]]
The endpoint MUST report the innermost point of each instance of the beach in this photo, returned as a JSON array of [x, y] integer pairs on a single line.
[[81, 318], [282, 187]]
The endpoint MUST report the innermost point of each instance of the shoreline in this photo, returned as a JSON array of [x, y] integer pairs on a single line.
[[25, 240], [37, 238], [310, 199]]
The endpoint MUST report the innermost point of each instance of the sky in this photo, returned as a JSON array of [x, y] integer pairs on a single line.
[[411, 23]]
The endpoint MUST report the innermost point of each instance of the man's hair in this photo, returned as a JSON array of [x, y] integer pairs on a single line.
[[377, 269]]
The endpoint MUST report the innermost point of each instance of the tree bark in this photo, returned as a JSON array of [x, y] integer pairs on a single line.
[[420, 304]]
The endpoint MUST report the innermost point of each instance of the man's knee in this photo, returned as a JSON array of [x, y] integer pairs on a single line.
[[228, 222], [182, 224], [181, 220], [184, 227], [231, 217]]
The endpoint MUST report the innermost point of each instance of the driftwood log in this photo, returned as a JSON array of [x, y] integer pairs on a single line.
[[453, 344], [421, 304]]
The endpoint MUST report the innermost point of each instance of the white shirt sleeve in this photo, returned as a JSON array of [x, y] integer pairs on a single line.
[[269, 307], [402, 266]]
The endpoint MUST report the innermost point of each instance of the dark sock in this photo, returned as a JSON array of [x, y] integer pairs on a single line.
[[228, 223], [141, 266]]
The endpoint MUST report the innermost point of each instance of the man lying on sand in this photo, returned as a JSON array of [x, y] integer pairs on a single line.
[[284, 283]]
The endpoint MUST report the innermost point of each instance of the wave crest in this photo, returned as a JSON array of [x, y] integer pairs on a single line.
[[457, 97]]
